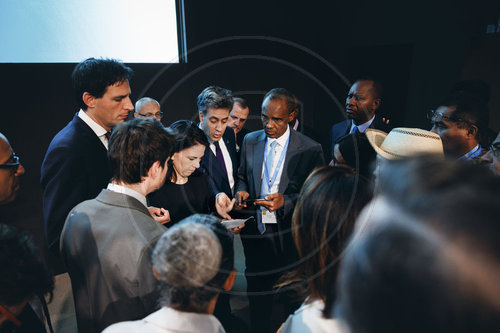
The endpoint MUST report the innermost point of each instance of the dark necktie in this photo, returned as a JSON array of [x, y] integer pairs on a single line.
[[107, 135], [220, 157]]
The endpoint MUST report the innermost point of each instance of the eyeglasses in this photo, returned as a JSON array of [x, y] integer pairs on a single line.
[[495, 149], [9, 165], [434, 116], [149, 115]]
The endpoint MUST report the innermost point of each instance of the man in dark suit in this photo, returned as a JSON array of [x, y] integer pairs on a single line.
[[275, 162], [237, 119], [106, 242], [76, 167], [362, 101], [220, 162]]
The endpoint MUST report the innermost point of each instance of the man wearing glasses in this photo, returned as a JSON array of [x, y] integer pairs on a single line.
[[460, 121], [10, 171], [492, 157], [148, 107]]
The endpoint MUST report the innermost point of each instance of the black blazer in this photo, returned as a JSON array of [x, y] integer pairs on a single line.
[[343, 128], [210, 166], [75, 169]]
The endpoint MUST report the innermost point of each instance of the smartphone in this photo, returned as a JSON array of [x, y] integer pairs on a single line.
[[253, 200]]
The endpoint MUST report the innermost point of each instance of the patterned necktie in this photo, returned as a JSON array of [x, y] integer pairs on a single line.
[[264, 189], [220, 157]]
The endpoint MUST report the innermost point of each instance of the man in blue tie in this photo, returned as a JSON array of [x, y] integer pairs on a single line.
[[274, 162], [363, 99]]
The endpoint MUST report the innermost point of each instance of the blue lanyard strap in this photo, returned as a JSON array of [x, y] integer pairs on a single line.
[[270, 183]]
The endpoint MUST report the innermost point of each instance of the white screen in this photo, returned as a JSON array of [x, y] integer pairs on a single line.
[[48, 31]]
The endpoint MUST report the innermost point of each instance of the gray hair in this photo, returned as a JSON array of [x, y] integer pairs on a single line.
[[193, 260]]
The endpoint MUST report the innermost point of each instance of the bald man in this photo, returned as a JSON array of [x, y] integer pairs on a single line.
[[10, 171], [148, 107]]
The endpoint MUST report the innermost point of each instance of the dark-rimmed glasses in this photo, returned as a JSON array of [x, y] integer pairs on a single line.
[[434, 116], [149, 115], [9, 165]]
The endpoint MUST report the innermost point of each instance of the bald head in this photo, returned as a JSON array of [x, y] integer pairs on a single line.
[[148, 107], [10, 170]]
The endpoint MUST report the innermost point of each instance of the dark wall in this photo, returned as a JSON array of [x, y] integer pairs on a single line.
[[313, 48]]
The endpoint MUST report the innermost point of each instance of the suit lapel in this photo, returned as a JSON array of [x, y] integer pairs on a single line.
[[257, 160], [290, 163]]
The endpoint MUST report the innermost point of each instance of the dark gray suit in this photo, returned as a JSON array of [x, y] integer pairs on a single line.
[[106, 244], [272, 252]]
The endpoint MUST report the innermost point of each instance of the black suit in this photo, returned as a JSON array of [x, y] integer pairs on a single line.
[[269, 252], [75, 169], [344, 127], [210, 166]]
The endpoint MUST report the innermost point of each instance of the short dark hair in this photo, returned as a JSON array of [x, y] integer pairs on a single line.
[[192, 298], [24, 274], [281, 93], [378, 88], [214, 97], [135, 145], [95, 75], [358, 153], [470, 108], [411, 272], [241, 102], [323, 219], [187, 134]]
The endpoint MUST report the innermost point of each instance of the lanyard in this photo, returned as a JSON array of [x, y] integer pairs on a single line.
[[270, 183]]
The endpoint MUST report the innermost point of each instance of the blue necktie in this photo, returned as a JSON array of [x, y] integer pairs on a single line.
[[264, 189], [355, 129]]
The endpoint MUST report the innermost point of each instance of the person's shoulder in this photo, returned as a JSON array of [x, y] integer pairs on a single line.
[[304, 139], [254, 136], [342, 123], [75, 134]]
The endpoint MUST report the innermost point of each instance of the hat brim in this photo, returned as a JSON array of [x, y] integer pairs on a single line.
[[376, 138]]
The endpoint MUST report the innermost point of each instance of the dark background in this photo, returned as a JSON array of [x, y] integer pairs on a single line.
[[418, 49]]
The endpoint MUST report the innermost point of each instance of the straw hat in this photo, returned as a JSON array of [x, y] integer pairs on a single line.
[[404, 142]]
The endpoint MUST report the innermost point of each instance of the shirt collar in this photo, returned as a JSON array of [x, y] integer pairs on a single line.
[[282, 139], [128, 191], [474, 152], [362, 128], [98, 129], [172, 319]]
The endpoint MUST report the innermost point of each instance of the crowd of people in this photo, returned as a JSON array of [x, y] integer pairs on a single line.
[[397, 233]]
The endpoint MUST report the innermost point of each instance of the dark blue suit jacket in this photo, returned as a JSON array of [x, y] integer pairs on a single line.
[[75, 169], [344, 127], [210, 166]]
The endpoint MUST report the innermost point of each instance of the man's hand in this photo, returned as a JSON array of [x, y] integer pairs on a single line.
[[223, 205], [237, 230], [240, 196], [273, 202], [160, 215]]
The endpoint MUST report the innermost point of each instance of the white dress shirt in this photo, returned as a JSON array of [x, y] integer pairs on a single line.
[[278, 150], [227, 161], [98, 129], [128, 191], [309, 318], [169, 320], [361, 128]]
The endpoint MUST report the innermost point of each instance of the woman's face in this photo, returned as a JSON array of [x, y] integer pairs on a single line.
[[188, 160]]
